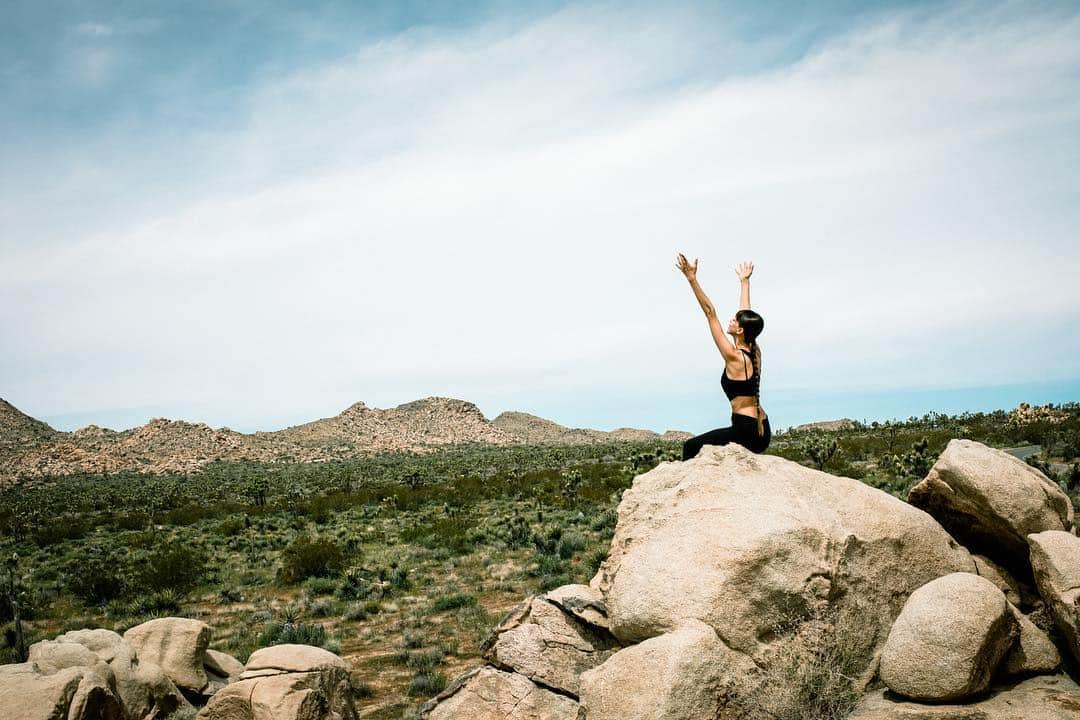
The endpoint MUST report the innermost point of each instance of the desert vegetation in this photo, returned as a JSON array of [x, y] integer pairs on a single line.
[[403, 563]]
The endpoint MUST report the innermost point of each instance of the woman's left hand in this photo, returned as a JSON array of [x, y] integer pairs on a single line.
[[690, 271], [745, 270]]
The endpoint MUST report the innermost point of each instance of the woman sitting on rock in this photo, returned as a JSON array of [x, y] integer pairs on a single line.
[[742, 368]]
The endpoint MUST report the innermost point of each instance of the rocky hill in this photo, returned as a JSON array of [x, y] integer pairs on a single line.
[[30, 448]]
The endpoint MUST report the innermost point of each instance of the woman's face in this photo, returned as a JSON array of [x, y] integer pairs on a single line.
[[733, 327]]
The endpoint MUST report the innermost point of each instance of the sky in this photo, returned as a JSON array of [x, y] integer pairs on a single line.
[[254, 214]]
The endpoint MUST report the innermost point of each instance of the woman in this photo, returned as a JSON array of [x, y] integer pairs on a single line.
[[742, 368]]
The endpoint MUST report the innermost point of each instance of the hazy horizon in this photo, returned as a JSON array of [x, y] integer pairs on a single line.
[[254, 216]]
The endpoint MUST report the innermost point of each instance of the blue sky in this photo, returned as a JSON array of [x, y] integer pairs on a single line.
[[255, 214]]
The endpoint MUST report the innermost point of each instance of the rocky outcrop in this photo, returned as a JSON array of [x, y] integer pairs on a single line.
[[1055, 561], [31, 449], [991, 501], [99, 675], [28, 692], [744, 542], [948, 639]]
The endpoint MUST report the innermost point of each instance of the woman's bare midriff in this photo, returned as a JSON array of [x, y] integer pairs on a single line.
[[744, 405]]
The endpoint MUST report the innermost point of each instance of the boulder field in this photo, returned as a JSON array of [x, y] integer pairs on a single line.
[[728, 570]]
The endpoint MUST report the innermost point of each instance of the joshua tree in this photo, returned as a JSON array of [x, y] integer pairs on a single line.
[[820, 449], [12, 593]]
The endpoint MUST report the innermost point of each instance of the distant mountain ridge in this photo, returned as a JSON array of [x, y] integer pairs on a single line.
[[31, 448]]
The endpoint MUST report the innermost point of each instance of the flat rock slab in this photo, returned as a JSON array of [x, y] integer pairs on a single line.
[[491, 694], [1044, 697], [948, 640], [990, 500], [582, 601], [294, 658]]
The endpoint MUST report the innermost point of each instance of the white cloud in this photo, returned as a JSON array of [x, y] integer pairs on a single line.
[[494, 205]]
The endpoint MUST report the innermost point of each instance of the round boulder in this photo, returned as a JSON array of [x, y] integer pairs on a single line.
[[948, 640]]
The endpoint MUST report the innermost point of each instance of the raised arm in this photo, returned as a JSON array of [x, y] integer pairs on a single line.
[[719, 337], [744, 271]]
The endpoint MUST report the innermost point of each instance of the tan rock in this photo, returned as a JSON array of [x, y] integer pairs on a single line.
[[293, 658], [99, 640], [948, 640], [582, 601], [223, 665], [490, 694], [743, 542], [71, 693], [547, 645], [1033, 651], [50, 656], [1055, 561], [301, 683], [987, 568], [176, 645], [990, 500], [686, 674], [1044, 697]]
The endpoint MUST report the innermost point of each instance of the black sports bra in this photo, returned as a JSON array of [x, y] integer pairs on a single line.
[[736, 388]]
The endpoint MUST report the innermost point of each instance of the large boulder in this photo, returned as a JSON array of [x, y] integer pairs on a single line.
[[547, 645], [948, 640], [1044, 697], [70, 693], [177, 646], [490, 694], [286, 682], [1055, 561], [991, 501], [746, 542], [685, 674]]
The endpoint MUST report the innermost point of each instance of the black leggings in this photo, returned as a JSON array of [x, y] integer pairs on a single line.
[[743, 431]]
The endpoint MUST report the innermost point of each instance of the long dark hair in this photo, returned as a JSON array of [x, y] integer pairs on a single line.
[[752, 324]]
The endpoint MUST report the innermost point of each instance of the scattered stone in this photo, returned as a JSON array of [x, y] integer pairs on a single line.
[[581, 601], [948, 640]]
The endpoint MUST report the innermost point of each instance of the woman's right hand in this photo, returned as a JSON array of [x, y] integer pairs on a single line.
[[690, 271], [744, 270]]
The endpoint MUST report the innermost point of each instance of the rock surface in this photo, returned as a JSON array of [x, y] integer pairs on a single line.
[[286, 682], [1033, 651], [547, 645], [991, 501], [71, 693], [1055, 561], [1044, 697], [490, 694], [743, 542], [685, 674], [948, 639], [176, 645]]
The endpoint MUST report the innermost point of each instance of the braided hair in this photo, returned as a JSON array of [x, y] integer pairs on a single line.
[[752, 324]]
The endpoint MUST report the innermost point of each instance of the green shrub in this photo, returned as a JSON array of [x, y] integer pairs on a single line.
[[426, 684], [285, 633], [179, 568], [308, 557], [453, 601]]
